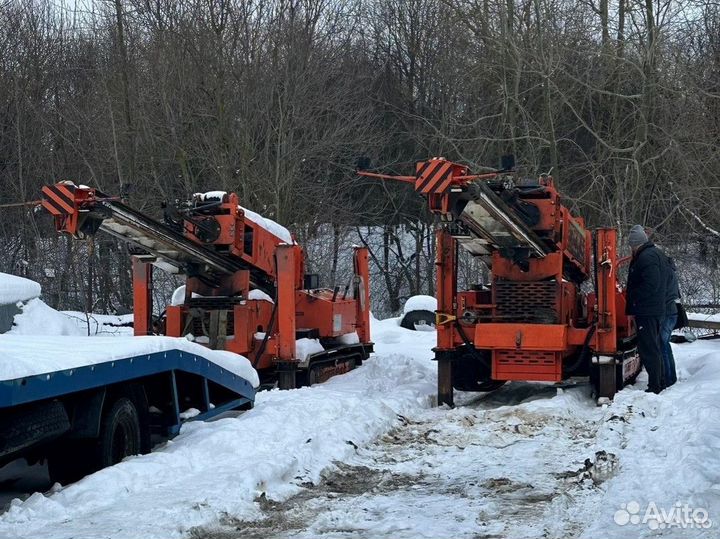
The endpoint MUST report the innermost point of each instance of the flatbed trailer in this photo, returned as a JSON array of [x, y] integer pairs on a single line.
[[92, 401]]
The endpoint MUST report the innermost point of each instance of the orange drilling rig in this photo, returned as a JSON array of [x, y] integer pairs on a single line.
[[246, 290], [553, 308]]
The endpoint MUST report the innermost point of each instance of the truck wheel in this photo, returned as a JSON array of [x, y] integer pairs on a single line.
[[418, 320], [120, 433], [26, 426], [120, 437]]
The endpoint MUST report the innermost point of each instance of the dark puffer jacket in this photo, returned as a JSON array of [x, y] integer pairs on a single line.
[[672, 291], [647, 282]]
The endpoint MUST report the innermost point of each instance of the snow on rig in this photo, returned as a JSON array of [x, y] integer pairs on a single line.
[[535, 320], [255, 317]]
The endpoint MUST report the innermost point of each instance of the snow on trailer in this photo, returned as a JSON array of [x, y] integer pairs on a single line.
[[86, 403]]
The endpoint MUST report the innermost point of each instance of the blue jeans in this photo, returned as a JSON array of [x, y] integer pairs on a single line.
[[668, 359]]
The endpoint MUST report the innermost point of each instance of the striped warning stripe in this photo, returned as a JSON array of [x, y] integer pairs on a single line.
[[433, 176], [59, 199]]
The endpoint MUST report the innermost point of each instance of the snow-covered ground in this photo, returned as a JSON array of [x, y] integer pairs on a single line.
[[704, 317], [101, 324], [367, 455]]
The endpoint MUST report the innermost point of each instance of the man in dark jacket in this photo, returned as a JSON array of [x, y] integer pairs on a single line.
[[646, 296], [672, 298]]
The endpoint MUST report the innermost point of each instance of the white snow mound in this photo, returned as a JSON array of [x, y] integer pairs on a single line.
[[37, 318], [306, 347]]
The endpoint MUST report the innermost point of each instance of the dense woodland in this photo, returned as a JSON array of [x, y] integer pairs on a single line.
[[277, 100]]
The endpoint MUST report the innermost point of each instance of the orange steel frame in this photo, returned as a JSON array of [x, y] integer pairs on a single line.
[[296, 308], [550, 344], [282, 263]]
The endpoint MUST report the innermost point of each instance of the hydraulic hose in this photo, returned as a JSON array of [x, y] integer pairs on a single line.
[[583, 352], [470, 345], [593, 328]]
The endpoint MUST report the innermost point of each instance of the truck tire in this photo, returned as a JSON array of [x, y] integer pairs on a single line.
[[28, 426], [418, 318], [121, 435]]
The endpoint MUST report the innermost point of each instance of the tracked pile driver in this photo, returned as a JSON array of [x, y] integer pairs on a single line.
[[246, 290], [539, 318]]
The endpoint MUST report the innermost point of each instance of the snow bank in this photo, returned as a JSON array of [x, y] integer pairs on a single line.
[[217, 470], [101, 324], [704, 317], [21, 356], [420, 303], [14, 289], [667, 448], [269, 225]]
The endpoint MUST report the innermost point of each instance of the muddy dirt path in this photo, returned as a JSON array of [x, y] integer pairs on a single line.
[[516, 463]]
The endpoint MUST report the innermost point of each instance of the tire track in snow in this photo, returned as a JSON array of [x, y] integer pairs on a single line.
[[514, 463]]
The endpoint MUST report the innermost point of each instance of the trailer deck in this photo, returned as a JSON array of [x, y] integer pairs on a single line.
[[58, 393], [36, 368]]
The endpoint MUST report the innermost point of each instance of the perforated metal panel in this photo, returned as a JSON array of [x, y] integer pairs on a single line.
[[525, 358], [527, 365], [534, 302]]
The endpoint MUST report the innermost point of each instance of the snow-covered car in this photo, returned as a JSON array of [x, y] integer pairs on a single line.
[[14, 290]]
